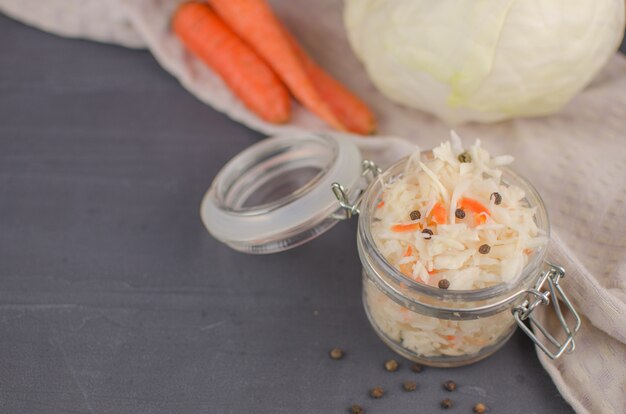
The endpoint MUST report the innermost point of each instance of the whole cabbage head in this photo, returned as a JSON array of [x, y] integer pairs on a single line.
[[483, 60]]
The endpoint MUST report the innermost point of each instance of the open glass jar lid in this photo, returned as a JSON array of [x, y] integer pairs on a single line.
[[286, 190], [276, 195]]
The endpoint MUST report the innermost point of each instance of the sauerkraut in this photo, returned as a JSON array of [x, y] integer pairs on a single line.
[[429, 336], [451, 222]]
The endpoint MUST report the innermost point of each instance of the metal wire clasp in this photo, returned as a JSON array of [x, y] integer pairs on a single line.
[[350, 209], [538, 297]]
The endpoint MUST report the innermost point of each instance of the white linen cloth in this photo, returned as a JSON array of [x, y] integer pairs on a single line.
[[576, 159]]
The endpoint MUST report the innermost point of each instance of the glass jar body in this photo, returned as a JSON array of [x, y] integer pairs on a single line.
[[434, 340], [433, 326]]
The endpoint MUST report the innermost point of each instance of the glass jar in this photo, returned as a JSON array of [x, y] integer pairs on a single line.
[[276, 195], [433, 326]]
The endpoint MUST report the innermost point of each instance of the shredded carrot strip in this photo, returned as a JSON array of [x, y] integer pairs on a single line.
[[382, 203], [450, 337], [407, 269], [409, 251], [399, 228], [475, 207], [439, 214]]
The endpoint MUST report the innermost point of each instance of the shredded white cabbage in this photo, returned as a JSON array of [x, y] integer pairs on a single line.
[[492, 214], [428, 336], [437, 188]]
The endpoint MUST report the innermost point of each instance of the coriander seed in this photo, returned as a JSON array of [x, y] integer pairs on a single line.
[[447, 403], [465, 157], [417, 368], [459, 213], [409, 386], [497, 198], [391, 365], [377, 392], [428, 232], [356, 409], [484, 249], [336, 353], [415, 215], [480, 408], [444, 284], [449, 385]]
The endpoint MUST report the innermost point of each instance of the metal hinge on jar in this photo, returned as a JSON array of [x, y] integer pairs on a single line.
[[349, 209], [537, 297]]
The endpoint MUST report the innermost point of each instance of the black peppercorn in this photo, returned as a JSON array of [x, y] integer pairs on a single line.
[[409, 386], [480, 408], [449, 385], [459, 213], [465, 157], [356, 409], [415, 215], [484, 249], [497, 198], [447, 403], [417, 368], [336, 353], [444, 284], [391, 365], [377, 392], [428, 233]]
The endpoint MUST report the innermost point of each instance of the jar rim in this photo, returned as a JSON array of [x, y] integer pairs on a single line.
[[528, 273]]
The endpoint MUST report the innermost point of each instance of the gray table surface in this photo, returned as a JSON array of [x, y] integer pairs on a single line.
[[114, 299]]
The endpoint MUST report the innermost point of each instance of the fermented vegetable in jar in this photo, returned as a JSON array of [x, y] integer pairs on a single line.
[[444, 297]]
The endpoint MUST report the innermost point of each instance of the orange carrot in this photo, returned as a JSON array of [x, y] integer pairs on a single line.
[[382, 203], [408, 252], [472, 205], [398, 228], [245, 73], [476, 207], [349, 109], [255, 23], [406, 269], [439, 214], [450, 337]]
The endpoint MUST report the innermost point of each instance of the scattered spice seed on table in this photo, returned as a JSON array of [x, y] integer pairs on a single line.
[[480, 408], [449, 385], [409, 386], [459, 213], [391, 365], [356, 409], [417, 368], [429, 232], [415, 215], [497, 198], [447, 403], [377, 392], [336, 353], [444, 284], [484, 249]]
